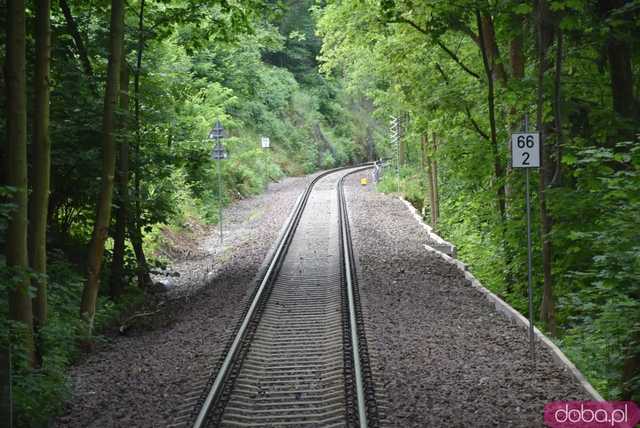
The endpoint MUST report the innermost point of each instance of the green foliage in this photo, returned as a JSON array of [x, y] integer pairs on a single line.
[[250, 64], [423, 59], [40, 393], [602, 278]]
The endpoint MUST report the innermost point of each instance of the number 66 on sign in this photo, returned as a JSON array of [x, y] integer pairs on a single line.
[[525, 150]]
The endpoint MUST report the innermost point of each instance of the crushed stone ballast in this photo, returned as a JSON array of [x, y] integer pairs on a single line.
[[299, 353]]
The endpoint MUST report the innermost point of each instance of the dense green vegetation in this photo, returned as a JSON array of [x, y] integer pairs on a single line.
[[463, 75], [184, 65]]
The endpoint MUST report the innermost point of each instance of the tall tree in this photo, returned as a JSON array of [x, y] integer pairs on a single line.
[[433, 170], [103, 213], [6, 401], [73, 30], [489, 72], [516, 51], [41, 150], [135, 231], [490, 45], [618, 53], [20, 308], [544, 32], [116, 281]]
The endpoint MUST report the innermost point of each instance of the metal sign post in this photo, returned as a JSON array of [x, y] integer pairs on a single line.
[[218, 154], [266, 144], [525, 149]]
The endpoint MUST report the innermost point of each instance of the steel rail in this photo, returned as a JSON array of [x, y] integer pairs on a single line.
[[279, 254], [348, 255]]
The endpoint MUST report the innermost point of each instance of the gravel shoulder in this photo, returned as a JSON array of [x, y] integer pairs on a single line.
[[441, 353], [143, 378]]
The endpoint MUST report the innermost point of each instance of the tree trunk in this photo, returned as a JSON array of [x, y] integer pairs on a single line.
[[427, 167], [103, 215], [516, 53], [545, 34], [116, 282], [499, 171], [490, 46], [517, 60], [497, 164], [631, 368], [72, 28], [17, 257], [6, 400], [41, 161], [136, 228], [557, 107], [144, 278], [434, 180], [619, 57], [401, 142]]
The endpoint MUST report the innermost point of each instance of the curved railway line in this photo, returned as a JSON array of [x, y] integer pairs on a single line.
[[299, 354]]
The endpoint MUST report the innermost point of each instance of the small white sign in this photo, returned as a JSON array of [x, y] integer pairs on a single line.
[[265, 142], [525, 150]]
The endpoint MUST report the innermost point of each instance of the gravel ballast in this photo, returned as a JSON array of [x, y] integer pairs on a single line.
[[145, 378], [442, 354]]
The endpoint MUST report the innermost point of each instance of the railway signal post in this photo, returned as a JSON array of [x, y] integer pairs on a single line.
[[218, 154]]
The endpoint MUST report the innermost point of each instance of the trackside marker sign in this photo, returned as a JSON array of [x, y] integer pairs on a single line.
[[591, 414], [525, 150]]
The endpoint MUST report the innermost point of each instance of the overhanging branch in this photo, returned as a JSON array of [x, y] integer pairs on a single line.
[[475, 125], [442, 46]]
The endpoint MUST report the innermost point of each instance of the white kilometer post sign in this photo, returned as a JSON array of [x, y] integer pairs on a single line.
[[525, 153], [265, 142], [526, 150]]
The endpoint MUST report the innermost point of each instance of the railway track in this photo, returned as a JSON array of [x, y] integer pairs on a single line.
[[299, 355]]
